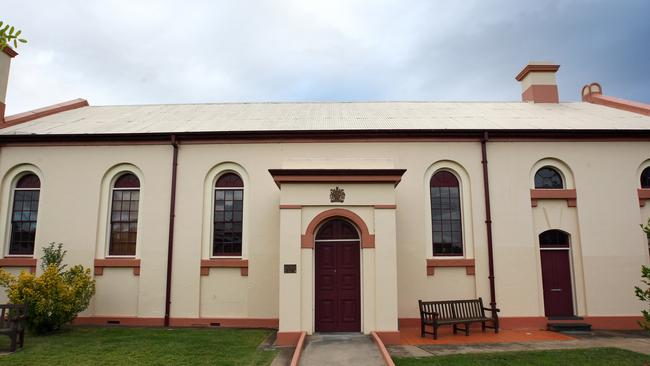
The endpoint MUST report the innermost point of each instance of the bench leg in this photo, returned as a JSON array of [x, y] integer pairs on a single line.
[[467, 329], [435, 332], [455, 328], [483, 326], [422, 329], [21, 339], [12, 347]]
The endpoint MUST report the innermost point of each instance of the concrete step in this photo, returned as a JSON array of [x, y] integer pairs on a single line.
[[569, 327]]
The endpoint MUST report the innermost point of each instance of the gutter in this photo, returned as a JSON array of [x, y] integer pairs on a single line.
[[170, 243], [488, 218]]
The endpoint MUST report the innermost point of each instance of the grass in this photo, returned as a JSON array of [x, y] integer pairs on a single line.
[[141, 346], [588, 356]]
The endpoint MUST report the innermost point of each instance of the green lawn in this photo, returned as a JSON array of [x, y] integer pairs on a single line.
[[141, 346], [589, 356]]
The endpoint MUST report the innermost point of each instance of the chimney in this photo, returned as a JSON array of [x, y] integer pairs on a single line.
[[538, 84], [5, 60]]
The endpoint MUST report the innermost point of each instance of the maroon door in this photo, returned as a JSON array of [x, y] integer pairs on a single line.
[[556, 278], [338, 285]]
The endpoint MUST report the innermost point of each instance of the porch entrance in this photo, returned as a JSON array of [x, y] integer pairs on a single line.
[[337, 277]]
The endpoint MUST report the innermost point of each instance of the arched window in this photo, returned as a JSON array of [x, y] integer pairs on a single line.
[[548, 178], [24, 214], [553, 239], [228, 216], [124, 215], [645, 178], [446, 215]]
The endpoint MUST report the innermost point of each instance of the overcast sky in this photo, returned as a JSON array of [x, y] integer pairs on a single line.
[[143, 52]]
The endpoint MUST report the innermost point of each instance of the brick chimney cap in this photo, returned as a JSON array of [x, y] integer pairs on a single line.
[[10, 51], [537, 67]]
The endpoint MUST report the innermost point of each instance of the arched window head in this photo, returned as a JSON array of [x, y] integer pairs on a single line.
[[548, 178], [125, 205], [228, 216], [645, 178], [446, 214], [337, 229], [24, 215], [229, 180], [554, 239]]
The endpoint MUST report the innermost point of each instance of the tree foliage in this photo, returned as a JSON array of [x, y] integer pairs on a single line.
[[56, 296], [644, 294], [9, 35]]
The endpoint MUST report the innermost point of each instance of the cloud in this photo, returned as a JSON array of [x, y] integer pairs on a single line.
[[140, 52]]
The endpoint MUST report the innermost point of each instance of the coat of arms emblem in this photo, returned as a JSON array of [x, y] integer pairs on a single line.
[[337, 195]]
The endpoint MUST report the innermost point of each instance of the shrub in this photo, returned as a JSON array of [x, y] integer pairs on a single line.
[[56, 296], [644, 294]]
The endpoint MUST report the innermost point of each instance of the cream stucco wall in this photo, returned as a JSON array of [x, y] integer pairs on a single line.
[[607, 251]]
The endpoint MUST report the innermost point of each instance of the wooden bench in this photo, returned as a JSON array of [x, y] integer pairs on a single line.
[[12, 323], [455, 312]]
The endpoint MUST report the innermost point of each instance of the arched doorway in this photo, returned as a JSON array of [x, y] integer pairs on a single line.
[[337, 277], [556, 273]]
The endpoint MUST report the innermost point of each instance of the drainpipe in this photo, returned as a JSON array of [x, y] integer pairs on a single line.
[[170, 243], [488, 218]]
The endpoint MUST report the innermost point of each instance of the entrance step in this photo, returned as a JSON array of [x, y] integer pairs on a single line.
[[569, 327], [562, 318]]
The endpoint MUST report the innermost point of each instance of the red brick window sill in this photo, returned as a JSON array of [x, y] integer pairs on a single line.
[[467, 263], [569, 195], [644, 195], [100, 264], [206, 264], [19, 262]]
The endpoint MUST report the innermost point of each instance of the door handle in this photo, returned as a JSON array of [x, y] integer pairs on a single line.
[[556, 290]]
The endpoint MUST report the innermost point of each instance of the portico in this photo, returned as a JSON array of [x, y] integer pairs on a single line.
[[338, 266]]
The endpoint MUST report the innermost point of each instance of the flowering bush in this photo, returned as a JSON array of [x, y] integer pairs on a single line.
[[644, 294], [56, 296]]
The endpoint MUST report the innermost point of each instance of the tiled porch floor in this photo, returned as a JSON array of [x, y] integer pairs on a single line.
[[411, 336]]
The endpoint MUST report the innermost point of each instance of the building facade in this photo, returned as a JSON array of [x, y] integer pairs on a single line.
[[324, 217]]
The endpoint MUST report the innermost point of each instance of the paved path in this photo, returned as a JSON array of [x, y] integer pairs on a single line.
[[341, 349], [633, 341]]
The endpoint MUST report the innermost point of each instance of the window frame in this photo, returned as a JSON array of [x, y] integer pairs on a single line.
[[557, 170], [109, 223], [10, 211], [213, 201], [644, 170], [461, 230]]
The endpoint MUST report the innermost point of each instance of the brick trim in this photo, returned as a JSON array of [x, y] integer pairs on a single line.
[[295, 359], [100, 264], [270, 323], [644, 195], [287, 338], [19, 262], [206, 264], [281, 176], [541, 94], [10, 52], [535, 68], [570, 195], [382, 348], [42, 112], [593, 93], [469, 265], [307, 239], [539, 322]]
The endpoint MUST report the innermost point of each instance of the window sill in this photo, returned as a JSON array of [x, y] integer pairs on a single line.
[[206, 264], [569, 195], [467, 263], [644, 195], [19, 261], [100, 264]]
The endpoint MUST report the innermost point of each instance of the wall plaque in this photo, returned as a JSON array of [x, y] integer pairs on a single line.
[[289, 268], [337, 195]]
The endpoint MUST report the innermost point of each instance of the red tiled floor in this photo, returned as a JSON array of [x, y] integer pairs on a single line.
[[446, 336]]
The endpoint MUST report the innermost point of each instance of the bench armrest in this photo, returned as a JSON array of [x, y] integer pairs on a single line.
[[492, 310]]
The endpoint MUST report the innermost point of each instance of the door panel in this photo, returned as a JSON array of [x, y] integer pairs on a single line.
[[338, 287], [556, 278]]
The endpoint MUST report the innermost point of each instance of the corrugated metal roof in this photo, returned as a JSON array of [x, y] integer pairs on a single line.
[[170, 118]]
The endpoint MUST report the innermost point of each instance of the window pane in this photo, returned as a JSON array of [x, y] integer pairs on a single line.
[[446, 214], [548, 178], [124, 220], [227, 222], [24, 216]]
